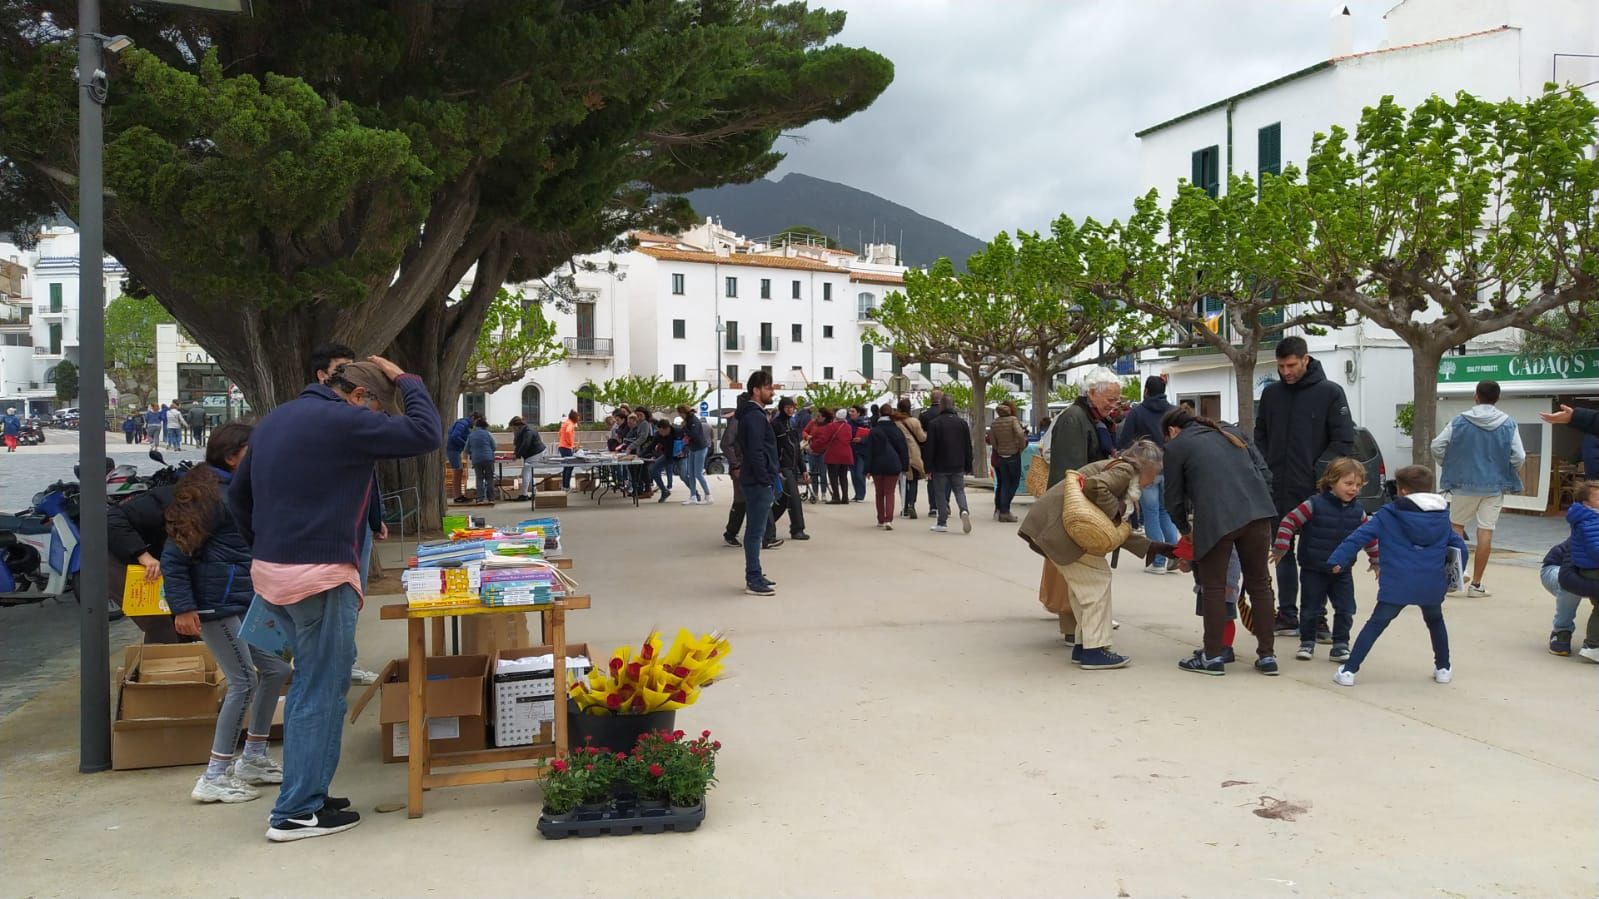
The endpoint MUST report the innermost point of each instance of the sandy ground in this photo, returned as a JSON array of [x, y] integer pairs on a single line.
[[904, 720]]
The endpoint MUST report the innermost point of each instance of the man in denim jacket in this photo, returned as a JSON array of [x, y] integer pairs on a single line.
[[1479, 454]]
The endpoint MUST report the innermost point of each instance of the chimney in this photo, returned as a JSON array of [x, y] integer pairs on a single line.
[[1340, 32]]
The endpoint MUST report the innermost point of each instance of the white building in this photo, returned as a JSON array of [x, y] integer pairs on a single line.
[[44, 318], [1493, 49], [709, 307]]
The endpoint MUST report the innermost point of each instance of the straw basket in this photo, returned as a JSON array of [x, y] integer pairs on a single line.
[[1086, 524]]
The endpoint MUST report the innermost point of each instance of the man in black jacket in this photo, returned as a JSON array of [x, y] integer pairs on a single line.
[[1303, 424], [757, 476], [526, 444], [735, 460], [948, 458], [926, 418], [787, 429]]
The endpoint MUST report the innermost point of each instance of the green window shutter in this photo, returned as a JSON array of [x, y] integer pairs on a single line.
[[899, 365], [866, 360], [1270, 147], [55, 297], [927, 370]]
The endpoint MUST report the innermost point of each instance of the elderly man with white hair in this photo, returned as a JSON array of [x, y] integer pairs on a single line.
[[1080, 435]]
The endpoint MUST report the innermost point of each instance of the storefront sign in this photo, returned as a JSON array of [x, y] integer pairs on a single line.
[[1583, 364], [200, 358]]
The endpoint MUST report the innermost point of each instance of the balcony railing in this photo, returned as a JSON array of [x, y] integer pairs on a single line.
[[768, 344], [589, 346], [733, 343], [866, 314], [45, 351]]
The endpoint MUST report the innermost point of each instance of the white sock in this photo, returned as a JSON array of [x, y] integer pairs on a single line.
[[216, 767], [255, 747]]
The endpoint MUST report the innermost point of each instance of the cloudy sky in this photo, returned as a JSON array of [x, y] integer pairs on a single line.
[[1006, 113]]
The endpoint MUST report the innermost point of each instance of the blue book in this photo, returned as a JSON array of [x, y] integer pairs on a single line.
[[262, 629]]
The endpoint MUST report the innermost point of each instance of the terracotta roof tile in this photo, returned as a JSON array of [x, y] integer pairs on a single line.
[[876, 278], [746, 259]]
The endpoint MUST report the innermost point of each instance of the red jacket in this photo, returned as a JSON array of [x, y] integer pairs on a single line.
[[832, 440]]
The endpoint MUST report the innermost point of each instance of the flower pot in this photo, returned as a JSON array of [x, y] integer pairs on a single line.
[[652, 805], [616, 733], [688, 809], [558, 817], [593, 808]]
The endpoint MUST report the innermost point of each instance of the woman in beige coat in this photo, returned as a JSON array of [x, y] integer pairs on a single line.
[[1112, 485], [915, 436]]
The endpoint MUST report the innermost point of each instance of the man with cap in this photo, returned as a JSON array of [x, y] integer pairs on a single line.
[[1143, 423], [785, 426]]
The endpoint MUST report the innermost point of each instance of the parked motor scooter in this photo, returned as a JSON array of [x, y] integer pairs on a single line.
[[40, 550]]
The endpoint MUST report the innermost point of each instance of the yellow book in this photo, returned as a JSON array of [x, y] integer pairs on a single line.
[[142, 597]]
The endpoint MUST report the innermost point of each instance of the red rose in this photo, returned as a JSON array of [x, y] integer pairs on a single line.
[[657, 771], [613, 702], [680, 696], [616, 665], [705, 734], [638, 703], [647, 651], [588, 767], [633, 670], [716, 744], [559, 765], [621, 756]]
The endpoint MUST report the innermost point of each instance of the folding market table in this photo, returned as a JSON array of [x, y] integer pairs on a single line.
[[420, 762]]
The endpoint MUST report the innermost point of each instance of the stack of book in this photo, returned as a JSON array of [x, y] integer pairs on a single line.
[[448, 553], [439, 586], [519, 585]]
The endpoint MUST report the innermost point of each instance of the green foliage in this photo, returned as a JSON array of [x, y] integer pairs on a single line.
[[1065, 393], [652, 391], [66, 375], [333, 170], [802, 233], [1405, 418], [840, 394], [563, 785], [130, 345], [998, 392], [515, 339]]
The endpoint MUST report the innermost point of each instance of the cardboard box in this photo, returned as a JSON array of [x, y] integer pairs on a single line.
[[524, 702], [140, 698], [162, 742], [550, 500], [457, 713]]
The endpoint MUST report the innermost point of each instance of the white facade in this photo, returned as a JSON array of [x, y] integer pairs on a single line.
[[804, 312], [1493, 49], [50, 310]]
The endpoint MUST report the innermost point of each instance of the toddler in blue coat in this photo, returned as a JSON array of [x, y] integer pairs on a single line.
[[1414, 535], [1583, 516]]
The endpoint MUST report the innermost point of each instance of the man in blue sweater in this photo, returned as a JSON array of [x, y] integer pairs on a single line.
[[305, 524]]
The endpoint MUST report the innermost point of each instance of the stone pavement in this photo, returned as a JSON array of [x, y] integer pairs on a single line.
[[904, 720]]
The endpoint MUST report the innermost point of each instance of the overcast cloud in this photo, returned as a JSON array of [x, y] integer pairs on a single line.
[[1006, 113]]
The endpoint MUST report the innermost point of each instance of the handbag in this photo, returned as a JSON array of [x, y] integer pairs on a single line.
[[1038, 475], [1085, 523]]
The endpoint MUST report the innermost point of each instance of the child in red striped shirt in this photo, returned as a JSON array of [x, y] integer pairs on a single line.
[[1322, 522]]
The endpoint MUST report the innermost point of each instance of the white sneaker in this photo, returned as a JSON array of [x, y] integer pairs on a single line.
[[1477, 590], [1154, 569], [1443, 676], [1591, 653], [966, 522], [222, 789], [263, 770], [1344, 678], [359, 675], [939, 529], [691, 501]]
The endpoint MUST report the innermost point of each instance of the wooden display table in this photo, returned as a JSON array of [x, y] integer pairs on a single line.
[[420, 762]]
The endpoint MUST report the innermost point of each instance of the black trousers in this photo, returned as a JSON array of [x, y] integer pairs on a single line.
[[789, 501], [838, 478]]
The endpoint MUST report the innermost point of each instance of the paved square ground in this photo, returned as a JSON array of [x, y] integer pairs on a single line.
[[904, 720]]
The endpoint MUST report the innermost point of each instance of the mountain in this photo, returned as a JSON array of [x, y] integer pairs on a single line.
[[763, 208]]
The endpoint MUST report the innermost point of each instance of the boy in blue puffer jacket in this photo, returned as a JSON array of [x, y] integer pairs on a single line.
[[1583, 516], [206, 569], [1415, 537]]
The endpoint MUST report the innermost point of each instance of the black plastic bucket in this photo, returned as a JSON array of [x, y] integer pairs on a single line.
[[616, 733]]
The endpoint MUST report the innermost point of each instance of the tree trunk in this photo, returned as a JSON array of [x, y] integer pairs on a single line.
[[1244, 381], [1040, 393], [979, 414], [1424, 386]]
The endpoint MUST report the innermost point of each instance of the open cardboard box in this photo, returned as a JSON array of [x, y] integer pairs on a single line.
[[164, 716], [457, 713]]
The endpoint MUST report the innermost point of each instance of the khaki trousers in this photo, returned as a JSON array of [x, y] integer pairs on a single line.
[[1055, 596], [1088, 585]]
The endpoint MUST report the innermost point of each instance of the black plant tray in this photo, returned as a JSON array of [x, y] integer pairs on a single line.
[[622, 820]]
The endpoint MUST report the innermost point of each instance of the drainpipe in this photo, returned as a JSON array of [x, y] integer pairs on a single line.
[[1232, 106]]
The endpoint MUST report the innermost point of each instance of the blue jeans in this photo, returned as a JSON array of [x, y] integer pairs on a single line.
[[663, 469], [321, 628], [1317, 587], [1384, 615], [1157, 521], [858, 472], [1008, 477], [566, 470], [1566, 602], [694, 475], [758, 511], [255, 680], [943, 485]]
